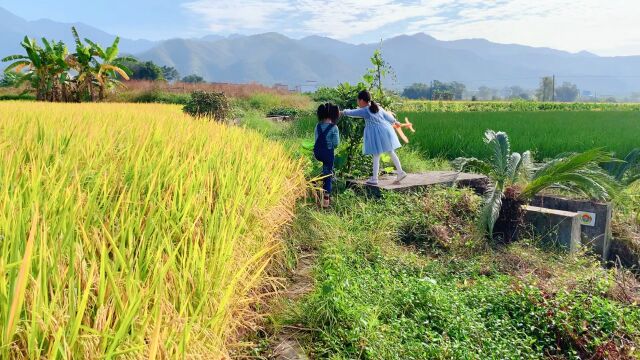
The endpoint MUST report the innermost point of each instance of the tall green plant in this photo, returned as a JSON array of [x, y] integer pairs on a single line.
[[375, 76], [36, 73], [85, 64], [626, 171], [110, 66], [48, 69], [515, 181]]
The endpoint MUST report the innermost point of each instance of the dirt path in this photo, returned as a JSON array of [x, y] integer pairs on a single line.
[[285, 344]]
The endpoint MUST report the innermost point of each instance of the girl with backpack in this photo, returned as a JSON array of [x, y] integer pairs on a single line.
[[327, 140]]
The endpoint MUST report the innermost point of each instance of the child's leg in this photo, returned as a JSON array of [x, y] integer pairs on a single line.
[[396, 161], [327, 170], [376, 166]]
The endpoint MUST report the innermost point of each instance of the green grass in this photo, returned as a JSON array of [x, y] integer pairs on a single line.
[[548, 134], [516, 105], [375, 299]]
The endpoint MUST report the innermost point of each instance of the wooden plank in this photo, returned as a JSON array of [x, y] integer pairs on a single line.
[[421, 180]]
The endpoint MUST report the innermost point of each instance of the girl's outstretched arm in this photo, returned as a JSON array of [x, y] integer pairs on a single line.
[[360, 113], [387, 116]]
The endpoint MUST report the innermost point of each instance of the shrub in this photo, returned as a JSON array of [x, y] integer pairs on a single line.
[[214, 105], [159, 97], [442, 221], [17, 97]]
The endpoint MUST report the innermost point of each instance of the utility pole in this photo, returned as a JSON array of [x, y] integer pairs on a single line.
[[553, 88]]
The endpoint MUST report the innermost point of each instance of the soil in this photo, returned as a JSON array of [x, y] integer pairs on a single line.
[[285, 345]]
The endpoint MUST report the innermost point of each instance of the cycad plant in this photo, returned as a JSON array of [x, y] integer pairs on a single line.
[[626, 172], [515, 181]]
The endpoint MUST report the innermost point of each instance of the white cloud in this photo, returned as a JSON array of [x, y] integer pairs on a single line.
[[602, 26]]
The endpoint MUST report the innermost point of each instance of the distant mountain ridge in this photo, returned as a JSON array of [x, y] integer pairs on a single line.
[[14, 28], [273, 58], [315, 60]]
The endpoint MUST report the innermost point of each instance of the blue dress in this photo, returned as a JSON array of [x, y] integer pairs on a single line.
[[379, 136]]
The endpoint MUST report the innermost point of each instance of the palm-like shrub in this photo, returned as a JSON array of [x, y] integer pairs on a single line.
[[515, 181], [627, 171]]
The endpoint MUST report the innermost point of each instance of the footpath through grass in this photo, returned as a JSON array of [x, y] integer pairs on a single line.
[[409, 278]]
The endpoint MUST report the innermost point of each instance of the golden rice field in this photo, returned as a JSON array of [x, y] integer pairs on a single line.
[[133, 231]]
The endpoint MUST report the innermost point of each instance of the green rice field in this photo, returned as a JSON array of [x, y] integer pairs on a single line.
[[547, 134]]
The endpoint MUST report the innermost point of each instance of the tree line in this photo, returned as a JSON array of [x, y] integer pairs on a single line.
[[87, 74], [148, 70], [438, 90]]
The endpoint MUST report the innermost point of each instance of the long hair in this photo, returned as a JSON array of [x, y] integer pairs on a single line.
[[328, 111], [334, 113], [365, 95]]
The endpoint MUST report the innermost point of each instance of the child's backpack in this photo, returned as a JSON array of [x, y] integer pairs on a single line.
[[320, 149]]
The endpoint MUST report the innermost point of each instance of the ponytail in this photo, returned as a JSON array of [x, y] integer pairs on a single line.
[[364, 95], [374, 108]]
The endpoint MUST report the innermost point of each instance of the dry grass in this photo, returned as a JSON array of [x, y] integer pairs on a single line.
[[232, 90], [133, 231]]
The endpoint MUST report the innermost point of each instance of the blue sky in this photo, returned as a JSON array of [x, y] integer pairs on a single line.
[[606, 27]]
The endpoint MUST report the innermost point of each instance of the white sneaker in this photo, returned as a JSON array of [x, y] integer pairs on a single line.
[[401, 176], [372, 181]]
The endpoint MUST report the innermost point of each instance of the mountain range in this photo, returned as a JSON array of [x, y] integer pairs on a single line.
[[311, 61]]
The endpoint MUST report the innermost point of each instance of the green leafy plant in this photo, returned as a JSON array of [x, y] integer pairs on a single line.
[[375, 76], [212, 105], [626, 171], [515, 181], [55, 75]]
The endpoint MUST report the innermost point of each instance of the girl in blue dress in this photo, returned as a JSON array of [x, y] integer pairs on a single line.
[[379, 136]]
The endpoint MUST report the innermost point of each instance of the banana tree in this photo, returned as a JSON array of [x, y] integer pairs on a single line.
[[515, 181], [34, 66], [84, 63], [44, 68], [109, 67], [55, 55]]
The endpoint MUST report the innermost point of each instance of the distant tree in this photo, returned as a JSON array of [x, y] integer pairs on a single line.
[[170, 73], [487, 93], [634, 97], [193, 78], [147, 70], [545, 91], [516, 92], [438, 91], [568, 92], [457, 89], [441, 91], [417, 91]]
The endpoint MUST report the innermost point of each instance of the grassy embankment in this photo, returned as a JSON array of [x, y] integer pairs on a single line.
[[409, 277], [133, 230]]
